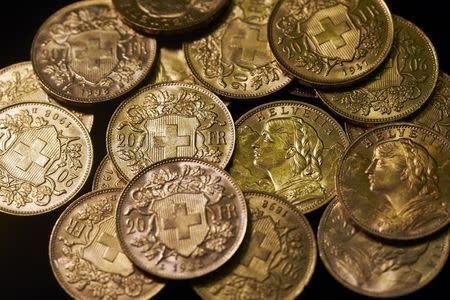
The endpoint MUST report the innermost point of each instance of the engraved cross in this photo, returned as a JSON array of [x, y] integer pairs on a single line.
[[256, 247], [332, 33], [31, 154], [182, 222], [94, 53], [171, 141], [251, 44], [112, 244]]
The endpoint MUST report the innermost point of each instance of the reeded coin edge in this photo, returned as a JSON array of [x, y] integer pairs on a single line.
[[214, 98], [323, 113], [394, 293], [361, 223], [85, 176], [90, 100]]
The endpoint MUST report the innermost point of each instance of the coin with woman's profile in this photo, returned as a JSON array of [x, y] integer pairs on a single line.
[[296, 152], [376, 267], [394, 181]]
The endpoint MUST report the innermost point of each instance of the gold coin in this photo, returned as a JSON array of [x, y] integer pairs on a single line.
[[331, 43], [168, 17], [45, 157], [18, 83], [394, 181], [404, 83], [86, 257], [235, 59], [291, 149], [181, 218], [84, 54], [277, 259], [299, 90], [354, 131], [169, 120], [375, 267], [107, 176]]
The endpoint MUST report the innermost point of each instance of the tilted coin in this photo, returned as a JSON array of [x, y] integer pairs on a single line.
[[84, 54], [86, 257], [169, 120], [291, 149], [277, 259], [394, 181], [375, 267], [168, 17], [107, 176], [299, 90], [181, 218], [331, 43], [45, 157], [235, 59], [402, 85], [18, 83]]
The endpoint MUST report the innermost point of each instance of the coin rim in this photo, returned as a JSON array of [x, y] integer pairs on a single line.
[[324, 95], [311, 266], [401, 236], [240, 199], [309, 80], [89, 160], [214, 98], [96, 181], [88, 100], [395, 293], [326, 115]]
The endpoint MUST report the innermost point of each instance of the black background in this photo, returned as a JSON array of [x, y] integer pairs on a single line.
[[25, 271]]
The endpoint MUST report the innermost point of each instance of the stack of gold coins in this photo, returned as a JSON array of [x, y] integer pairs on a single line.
[[233, 121]]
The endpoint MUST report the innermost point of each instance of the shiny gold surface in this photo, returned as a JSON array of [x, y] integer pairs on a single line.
[[402, 85], [235, 59], [84, 54], [18, 83], [291, 149], [86, 257], [107, 176], [168, 17], [394, 181], [45, 157], [276, 261], [376, 267], [181, 218], [169, 120], [331, 43]]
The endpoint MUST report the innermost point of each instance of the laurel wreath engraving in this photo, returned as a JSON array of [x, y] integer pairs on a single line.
[[18, 87]]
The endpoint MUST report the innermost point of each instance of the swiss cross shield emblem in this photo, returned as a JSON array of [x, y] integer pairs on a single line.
[[333, 34], [31, 154], [104, 250], [263, 246], [172, 136], [93, 54], [181, 220]]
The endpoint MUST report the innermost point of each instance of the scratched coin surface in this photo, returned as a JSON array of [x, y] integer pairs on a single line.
[[402, 85], [291, 149], [374, 267], [181, 218], [169, 120], [84, 54], [107, 176], [331, 42], [168, 17], [277, 259], [86, 257], [235, 59], [18, 83], [45, 157], [394, 181]]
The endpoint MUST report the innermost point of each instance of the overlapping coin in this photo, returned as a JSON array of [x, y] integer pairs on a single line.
[[107, 176], [85, 54], [277, 260], [394, 181], [86, 257], [181, 218], [169, 120], [289, 148], [45, 157]]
